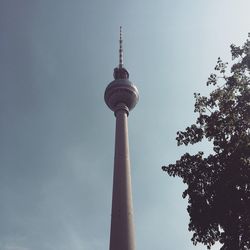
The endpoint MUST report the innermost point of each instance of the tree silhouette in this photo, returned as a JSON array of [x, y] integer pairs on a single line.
[[218, 186]]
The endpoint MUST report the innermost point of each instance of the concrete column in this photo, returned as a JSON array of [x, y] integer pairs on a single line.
[[122, 236]]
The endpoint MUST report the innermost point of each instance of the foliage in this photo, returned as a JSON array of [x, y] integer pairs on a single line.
[[218, 186]]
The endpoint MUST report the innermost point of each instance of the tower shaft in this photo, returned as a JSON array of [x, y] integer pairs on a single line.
[[122, 235]]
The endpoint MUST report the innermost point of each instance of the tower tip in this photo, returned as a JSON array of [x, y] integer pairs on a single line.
[[120, 50], [120, 72]]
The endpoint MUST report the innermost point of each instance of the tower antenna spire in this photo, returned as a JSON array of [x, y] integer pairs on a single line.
[[120, 72], [120, 50]]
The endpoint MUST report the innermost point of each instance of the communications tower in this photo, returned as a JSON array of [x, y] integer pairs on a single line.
[[121, 96]]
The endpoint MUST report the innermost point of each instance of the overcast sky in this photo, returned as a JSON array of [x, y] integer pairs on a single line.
[[57, 135]]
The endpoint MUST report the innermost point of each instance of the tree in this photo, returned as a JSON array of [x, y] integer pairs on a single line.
[[218, 185]]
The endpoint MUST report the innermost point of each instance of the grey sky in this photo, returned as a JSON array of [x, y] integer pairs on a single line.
[[57, 135]]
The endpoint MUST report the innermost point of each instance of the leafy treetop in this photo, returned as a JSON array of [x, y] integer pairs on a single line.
[[218, 186]]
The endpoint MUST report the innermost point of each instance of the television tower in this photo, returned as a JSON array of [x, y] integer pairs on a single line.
[[121, 96]]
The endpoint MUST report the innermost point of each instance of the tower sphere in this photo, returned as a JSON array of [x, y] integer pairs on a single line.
[[121, 91]]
